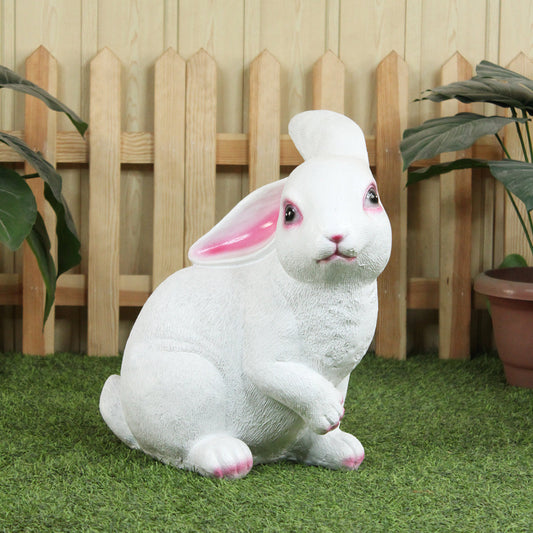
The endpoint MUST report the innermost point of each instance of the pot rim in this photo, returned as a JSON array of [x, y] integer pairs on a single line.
[[501, 283]]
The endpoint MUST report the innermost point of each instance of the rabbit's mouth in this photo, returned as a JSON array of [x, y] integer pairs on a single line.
[[337, 256]]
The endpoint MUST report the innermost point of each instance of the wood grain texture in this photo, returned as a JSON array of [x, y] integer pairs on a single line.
[[40, 135], [294, 33], [104, 205], [392, 85], [328, 83], [368, 32], [169, 166], [264, 117], [200, 151], [455, 288]]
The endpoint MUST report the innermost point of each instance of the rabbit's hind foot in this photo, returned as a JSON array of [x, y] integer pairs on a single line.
[[111, 410], [220, 456]]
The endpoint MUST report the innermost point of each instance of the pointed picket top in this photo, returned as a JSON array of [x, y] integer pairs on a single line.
[[457, 68], [105, 56], [202, 57], [392, 69], [41, 69], [265, 58], [328, 83], [170, 56], [392, 58], [40, 54]]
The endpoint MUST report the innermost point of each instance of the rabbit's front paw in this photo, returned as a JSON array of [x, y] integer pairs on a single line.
[[220, 456], [328, 414]]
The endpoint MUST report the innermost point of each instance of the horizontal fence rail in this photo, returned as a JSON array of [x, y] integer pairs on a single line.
[[185, 151]]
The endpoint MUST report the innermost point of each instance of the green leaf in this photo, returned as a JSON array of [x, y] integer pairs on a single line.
[[449, 134], [513, 261], [68, 244], [499, 92], [516, 176], [442, 168], [11, 80], [486, 69], [18, 209], [40, 246]]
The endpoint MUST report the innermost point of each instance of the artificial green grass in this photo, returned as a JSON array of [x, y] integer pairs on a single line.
[[449, 447]]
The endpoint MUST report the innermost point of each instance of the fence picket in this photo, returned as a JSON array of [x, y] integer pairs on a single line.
[[169, 166], [328, 83], [200, 147], [40, 134], [104, 205], [455, 287], [264, 120], [392, 285]]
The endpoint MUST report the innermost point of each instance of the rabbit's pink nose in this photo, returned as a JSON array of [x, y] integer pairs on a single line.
[[336, 238]]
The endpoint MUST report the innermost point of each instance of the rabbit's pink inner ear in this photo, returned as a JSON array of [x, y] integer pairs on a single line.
[[241, 239]]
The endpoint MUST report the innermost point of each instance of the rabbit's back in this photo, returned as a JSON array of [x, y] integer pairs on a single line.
[[195, 310]]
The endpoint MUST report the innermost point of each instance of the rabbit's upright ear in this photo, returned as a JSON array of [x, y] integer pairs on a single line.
[[245, 234], [326, 133]]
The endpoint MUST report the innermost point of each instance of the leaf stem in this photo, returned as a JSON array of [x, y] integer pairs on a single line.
[[503, 146], [524, 227], [520, 136], [524, 115]]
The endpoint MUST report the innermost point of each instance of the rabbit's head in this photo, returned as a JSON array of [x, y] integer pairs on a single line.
[[325, 220]]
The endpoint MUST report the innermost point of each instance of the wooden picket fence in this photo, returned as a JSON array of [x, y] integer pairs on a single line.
[[185, 150]]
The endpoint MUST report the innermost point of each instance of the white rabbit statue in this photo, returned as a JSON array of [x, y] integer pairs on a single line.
[[244, 358]]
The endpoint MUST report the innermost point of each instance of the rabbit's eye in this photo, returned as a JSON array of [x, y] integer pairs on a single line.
[[292, 215], [371, 198]]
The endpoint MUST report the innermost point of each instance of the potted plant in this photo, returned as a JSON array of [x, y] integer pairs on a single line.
[[19, 217], [509, 288]]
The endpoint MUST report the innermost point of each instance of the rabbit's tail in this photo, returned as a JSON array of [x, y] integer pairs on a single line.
[[111, 410]]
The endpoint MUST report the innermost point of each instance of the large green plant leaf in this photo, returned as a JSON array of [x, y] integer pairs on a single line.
[[68, 244], [486, 69], [493, 84], [448, 134], [40, 246], [11, 80], [517, 176], [18, 209]]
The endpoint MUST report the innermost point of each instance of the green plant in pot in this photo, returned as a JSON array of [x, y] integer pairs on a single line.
[[19, 218], [509, 288]]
